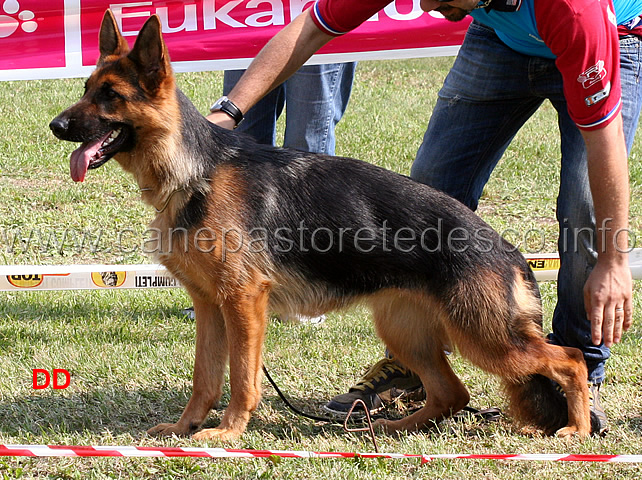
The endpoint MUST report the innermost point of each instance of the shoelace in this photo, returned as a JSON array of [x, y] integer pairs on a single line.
[[379, 371]]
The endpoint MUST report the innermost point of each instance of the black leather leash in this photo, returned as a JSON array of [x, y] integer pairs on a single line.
[[292, 407]]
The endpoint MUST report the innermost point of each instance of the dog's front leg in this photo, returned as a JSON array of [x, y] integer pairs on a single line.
[[209, 370], [245, 319]]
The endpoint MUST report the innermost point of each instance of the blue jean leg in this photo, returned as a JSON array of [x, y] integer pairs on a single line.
[[631, 69], [315, 99], [260, 120], [488, 95], [484, 101], [577, 247]]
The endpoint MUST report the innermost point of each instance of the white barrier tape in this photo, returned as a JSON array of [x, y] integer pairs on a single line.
[[96, 277], [195, 452], [84, 277]]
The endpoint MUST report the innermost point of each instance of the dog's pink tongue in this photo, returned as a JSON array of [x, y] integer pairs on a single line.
[[79, 160]]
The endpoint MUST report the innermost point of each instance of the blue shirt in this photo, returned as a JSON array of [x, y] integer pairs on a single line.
[[519, 30]]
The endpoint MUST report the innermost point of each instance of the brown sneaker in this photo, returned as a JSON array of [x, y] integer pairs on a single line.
[[383, 383]]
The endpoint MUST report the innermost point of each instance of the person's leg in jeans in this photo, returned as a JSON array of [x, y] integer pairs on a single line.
[[316, 99], [578, 232], [485, 100], [630, 70]]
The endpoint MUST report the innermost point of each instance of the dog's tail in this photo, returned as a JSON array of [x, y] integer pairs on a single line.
[[539, 402]]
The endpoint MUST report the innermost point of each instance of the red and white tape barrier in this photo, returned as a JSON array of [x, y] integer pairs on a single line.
[[100, 277], [195, 452]]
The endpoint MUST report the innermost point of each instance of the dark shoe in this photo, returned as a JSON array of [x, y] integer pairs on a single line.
[[385, 382], [599, 427]]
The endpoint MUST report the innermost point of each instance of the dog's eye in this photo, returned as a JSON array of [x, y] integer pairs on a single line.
[[108, 92]]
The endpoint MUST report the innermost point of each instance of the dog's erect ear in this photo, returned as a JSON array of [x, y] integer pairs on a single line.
[[150, 55], [111, 42]]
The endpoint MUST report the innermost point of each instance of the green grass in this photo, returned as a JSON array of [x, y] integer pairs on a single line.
[[131, 352]]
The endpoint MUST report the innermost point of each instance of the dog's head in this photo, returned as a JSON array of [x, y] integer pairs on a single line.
[[123, 101]]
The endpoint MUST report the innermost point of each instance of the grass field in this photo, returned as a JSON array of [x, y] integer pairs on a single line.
[[130, 353]]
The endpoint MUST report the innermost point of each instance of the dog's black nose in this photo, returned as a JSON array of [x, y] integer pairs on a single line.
[[59, 126]]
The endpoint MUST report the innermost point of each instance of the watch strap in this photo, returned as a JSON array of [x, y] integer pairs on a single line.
[[226, 105]]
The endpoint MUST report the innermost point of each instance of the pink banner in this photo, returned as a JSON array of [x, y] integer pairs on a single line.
[[59, 38]]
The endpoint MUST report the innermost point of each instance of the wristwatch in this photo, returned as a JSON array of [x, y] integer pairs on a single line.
[[226, 105]]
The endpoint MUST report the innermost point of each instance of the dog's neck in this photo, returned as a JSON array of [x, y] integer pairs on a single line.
[[165, 203], [178, 162]]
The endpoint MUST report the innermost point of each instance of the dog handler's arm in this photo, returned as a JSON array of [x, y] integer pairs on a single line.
[[586, 44], [281, 57], [608, 289]]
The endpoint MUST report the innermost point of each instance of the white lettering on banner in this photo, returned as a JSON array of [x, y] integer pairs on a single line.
[[68, 46], [273, 12], [189, 24], [276, 16], [211, 15], [117, 10], [297, 7], [392, 12]]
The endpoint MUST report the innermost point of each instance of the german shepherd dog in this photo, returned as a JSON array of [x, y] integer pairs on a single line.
[[249, 228]]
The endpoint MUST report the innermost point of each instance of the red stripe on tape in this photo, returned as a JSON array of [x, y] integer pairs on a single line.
[[15, 452], [588, 458], [132, 451]]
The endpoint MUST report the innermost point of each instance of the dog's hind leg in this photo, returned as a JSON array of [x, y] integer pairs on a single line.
[[567, 367], [535, 401], [503, 336], [412, 331], [445, 394], [209, 370], [245, 319]]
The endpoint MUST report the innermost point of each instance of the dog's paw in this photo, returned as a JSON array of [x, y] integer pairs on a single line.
[[167, 430], [385, 426], [380, 424], [530, 431], [570, 432], [224, 434]]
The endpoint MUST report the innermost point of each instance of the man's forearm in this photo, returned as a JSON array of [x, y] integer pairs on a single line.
[[609, 179], [608, 290], [278, 60]]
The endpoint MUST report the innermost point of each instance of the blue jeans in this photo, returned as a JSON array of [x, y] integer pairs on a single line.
[[487, 96], [315, 98]]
